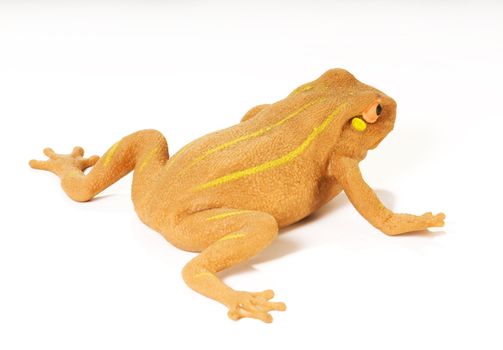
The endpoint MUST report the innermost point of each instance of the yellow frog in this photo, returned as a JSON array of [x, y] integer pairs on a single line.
[[226, 194]]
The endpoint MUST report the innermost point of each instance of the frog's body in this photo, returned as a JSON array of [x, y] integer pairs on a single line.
[[227, 193], [257, 149]]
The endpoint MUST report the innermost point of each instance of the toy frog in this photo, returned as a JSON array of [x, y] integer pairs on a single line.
[[226, 194]]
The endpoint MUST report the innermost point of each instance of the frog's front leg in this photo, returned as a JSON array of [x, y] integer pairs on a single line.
[[225, 238], [145, 151], [367, 203]]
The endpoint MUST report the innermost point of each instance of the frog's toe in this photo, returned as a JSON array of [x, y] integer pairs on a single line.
[[61, 163], [49, 152], [438, 220], [77, 152], [254, 305], [431, 220], [89, 162], [39, 164]]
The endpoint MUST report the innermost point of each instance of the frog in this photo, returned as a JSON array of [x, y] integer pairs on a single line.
[[227, 194]]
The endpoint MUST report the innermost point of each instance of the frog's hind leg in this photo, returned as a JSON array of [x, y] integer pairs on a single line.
[[225, 238], [144, 151]]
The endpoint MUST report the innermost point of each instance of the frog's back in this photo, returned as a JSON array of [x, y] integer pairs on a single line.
[[244, 144], [227, 168]]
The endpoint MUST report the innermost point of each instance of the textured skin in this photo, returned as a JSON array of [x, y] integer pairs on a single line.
[[226, 194]]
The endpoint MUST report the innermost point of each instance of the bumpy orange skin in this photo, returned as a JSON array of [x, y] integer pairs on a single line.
[[227, 193]]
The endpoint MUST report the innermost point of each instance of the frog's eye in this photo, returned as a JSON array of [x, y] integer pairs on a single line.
[[378, 109], [373, 112]]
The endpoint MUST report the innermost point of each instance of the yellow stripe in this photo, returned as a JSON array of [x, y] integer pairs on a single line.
[[224, 215], [110, 153], [232, 236], [302, 88], [147, 159], [256, 133], [276, 162]]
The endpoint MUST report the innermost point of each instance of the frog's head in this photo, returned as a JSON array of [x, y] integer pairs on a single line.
[[366, 114]]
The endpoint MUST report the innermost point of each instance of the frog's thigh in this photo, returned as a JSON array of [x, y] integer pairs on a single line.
[[198, 231]]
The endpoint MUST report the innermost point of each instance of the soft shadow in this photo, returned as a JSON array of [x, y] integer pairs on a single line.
[[276, 250], [282, 246], [427, 234], [102, 196]]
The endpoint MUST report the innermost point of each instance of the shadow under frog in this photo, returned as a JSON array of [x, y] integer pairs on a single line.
[[228, 193]]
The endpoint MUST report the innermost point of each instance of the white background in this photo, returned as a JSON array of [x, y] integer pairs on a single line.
[[91, 276]]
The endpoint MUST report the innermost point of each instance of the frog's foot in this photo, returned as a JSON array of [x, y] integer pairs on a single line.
[[253, 305], [431, 220], [62, 164], [397, 224]]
